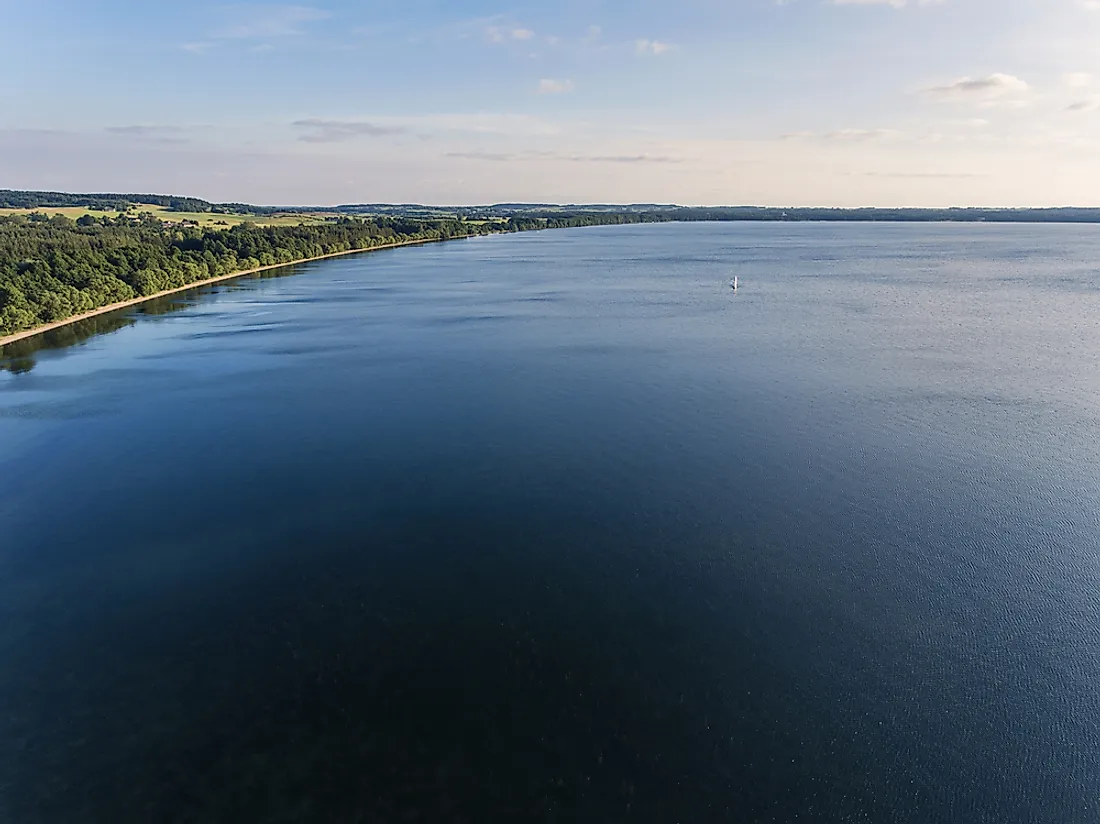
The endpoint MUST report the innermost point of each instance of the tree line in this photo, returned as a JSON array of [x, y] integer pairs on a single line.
[[52, 268], [13, 199]]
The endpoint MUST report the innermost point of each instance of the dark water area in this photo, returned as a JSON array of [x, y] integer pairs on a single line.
[[556, 527]]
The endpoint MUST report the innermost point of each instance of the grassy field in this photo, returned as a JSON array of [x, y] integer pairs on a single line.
[[202, 218]]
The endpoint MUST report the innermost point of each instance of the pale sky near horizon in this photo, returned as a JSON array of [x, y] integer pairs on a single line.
[[796, 102]]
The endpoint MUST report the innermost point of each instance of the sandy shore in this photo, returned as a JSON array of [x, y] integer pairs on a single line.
[[38, 330]]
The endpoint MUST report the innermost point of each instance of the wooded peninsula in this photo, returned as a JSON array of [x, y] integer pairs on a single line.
[[53, 267], [66, 255]]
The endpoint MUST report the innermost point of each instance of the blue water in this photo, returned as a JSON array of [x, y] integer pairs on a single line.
[[556, 527]]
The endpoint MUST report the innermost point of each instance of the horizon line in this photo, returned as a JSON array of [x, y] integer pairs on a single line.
[[534, 203]]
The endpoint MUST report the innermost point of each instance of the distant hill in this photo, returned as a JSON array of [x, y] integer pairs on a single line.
[[12, 199], [672, 212]]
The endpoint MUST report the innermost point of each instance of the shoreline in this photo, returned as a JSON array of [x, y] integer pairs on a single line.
[[114, 307]]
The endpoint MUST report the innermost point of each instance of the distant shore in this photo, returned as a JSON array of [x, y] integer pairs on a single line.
[[38, 330]]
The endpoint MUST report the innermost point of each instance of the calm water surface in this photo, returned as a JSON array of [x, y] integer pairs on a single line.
[[555, 527]]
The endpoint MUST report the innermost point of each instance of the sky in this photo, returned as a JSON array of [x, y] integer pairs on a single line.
[[766, 102]]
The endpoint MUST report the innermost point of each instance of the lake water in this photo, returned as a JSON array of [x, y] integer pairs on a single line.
[[556, 527]]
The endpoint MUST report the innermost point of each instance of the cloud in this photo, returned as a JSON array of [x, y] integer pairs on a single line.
[[892, 3], [560, 157], [549, 86], [642, 158], [860, 134], [592, 36], [494, 156], [971, 123], [144, 131], [925, 175], [264, 21], [336, 131], [474, 28], [196, 48], [36, 133], [1077, 80], [897, 4], [150, 134], [996, 83], [502, 34], [851, 135], [426, 126], [1090, 105], [997, 90], [1005, 104], [1090, 5], [509, 124], [653, 47]]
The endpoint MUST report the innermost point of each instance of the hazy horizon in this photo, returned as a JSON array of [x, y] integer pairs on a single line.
[[553, 204], [785, 103]]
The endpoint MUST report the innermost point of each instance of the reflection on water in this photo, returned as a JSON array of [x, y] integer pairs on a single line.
[[18, 357]]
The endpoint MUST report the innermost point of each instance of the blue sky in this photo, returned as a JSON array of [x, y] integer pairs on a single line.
[[821, 102]]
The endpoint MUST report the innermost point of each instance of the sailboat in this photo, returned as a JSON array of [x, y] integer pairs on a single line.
[[733, 283]]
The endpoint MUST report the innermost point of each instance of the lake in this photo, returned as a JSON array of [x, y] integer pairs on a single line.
[[557, 527]]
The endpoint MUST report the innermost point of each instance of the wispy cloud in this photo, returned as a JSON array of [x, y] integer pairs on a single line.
[[36, 133], [151, 134], [475, 28], [337, 131], [502, 34], [991, 91], [247, 22], [593, 37], [484, 123], [197, 48], [925, 175], [861, 134], [550, 86], [642, 158], [1077, 80], [499, 157], [1090, 105], [851, 135], [425, 126], [996, 83], [897, 4], [561, 157], [652, 47]]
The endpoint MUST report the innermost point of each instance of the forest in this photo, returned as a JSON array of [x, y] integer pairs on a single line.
[[15, 199], [53, 267]]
